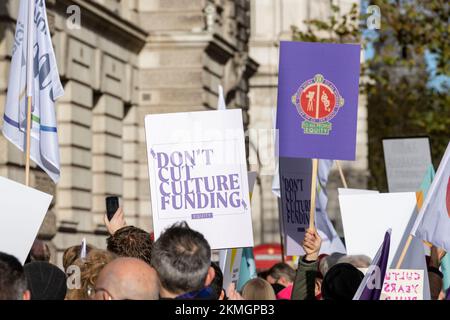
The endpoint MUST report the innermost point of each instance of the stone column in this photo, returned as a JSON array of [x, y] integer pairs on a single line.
[[106, 153]]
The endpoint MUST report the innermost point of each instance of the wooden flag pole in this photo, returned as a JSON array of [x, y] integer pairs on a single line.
[[312, 210], [28, 143], [405, 250], [341, 173], [29, 85]]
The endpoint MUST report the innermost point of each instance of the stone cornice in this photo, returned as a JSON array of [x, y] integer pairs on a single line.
[[96, 15]]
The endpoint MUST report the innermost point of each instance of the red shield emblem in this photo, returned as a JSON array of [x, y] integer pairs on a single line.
[[317, 101]]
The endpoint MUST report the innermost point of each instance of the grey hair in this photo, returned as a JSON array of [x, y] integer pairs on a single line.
[[181, 258], [358, 261]]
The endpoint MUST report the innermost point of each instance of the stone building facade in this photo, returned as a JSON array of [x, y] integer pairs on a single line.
[[129, 58], [135, 57]]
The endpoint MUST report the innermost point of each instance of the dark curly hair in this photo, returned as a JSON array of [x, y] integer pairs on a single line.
[[13, 282], [131, 242]]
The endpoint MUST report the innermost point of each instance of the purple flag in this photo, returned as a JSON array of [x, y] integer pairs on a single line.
[[318, 100], [372, 284], [448, 294]]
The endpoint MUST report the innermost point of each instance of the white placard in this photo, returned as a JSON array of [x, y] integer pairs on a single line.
[[407, 161], [402, 284], [347, 191], [23, 210], [198, 174], [366, 217]]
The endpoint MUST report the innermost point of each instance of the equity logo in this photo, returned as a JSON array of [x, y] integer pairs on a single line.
[[317, 101]]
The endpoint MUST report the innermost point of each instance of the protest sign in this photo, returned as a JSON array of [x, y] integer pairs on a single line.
[[406, 160], [318, 100], [348, 191], [366, 217], [402, 284], [230, 264], [294, 204], [295, 187], [198, 174], [23, 210]]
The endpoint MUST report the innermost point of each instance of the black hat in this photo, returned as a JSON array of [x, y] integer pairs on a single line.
[[45, 281], [341, 282]]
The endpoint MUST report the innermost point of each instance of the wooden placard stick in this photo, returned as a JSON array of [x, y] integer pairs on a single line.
[[405, 250], [312, 210], [341, 173]]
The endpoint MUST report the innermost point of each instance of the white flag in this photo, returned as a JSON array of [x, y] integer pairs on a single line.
[[44, 87], [433, 222], [83, 250], [414, 258], [330, 239], [221, 105]]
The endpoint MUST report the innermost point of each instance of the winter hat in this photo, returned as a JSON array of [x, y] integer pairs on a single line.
[[341, 282], [45, 281]]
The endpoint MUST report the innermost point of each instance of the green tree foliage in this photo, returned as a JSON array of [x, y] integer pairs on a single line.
[[402, 96]]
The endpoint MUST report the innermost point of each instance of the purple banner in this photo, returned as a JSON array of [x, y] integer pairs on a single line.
[[318, 86]]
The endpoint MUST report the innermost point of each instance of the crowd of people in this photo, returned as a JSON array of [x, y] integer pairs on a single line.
[[178, 266]]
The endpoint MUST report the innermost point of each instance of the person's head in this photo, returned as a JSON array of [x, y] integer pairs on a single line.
[[13, 282], [45, 281], [182, 259], [282, 274], [358, 261], [341, 282], [73, 253], [127, 279], [131, 242], [89, 270], [217, 283], [39, 252], [264, 274], [258, 289]]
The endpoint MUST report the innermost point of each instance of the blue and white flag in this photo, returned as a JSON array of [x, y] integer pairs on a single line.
[[33, 54], [248, 268], [433, 221]]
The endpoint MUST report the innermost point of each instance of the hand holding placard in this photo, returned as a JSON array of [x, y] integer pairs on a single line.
[[311, 244]]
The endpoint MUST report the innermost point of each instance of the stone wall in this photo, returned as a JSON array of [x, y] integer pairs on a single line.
[[130, 58]]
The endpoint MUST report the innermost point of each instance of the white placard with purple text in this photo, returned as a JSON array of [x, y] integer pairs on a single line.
[[198, 174]]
